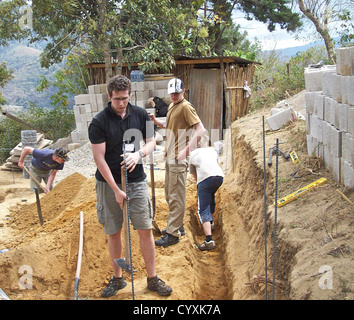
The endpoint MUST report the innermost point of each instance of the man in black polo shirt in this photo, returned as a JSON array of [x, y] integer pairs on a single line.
[[120, 121]]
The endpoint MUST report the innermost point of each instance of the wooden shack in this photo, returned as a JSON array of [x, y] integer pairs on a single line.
[[216, 86]]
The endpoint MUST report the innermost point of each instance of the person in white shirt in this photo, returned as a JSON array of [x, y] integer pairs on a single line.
[[204, 166]]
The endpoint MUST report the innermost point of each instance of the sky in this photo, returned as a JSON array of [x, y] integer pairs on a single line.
[[278, 39]]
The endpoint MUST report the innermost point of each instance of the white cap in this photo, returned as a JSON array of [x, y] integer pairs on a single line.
[[175, 86]]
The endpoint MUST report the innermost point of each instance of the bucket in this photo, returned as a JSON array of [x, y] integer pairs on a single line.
[[136, 76]]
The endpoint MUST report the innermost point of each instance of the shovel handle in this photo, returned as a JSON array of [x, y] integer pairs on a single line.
[[34, 179]]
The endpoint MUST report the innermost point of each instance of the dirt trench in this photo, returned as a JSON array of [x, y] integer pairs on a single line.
[[228, 272]]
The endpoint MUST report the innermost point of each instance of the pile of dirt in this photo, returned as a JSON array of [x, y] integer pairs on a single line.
[[313, 231]]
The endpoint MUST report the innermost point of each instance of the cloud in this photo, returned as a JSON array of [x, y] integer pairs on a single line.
[[278, 39]]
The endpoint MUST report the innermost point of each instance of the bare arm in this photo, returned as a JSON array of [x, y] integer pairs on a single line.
[[24, 153], [158, 122], [132, 159], [50, 180], [199, 131], [98, 151]]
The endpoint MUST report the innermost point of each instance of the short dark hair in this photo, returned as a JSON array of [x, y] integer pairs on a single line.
[[118, 83]]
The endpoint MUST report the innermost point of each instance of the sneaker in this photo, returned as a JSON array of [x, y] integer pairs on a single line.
[[113, 286], [167, 240], [206, 245], [156, 284], [181, 230]]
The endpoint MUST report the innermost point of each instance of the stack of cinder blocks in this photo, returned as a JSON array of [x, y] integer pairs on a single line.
[[88, 105], [85, 108], [330, 115]]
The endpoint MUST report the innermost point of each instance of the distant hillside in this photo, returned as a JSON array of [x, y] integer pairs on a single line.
[[24, 60], [287, 53]]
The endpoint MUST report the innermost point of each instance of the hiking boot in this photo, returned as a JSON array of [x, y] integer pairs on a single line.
[[181, 230], [156, 284], [167, 240], [205, 245], [113, 286]]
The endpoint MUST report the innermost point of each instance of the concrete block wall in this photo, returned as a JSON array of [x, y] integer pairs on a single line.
[[88, 105], [330, 115]]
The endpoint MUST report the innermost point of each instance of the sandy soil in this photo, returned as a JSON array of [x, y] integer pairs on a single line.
[[314, 233]]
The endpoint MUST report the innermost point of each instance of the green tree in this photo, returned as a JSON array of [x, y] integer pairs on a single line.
[[5, 77], [323, 16], [216, 20], [139, 28], [276, 80]]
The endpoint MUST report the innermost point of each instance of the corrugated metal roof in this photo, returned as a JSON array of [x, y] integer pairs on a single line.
[[236, 59], [197, 58]]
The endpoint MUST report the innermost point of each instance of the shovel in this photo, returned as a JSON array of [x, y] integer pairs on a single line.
[[34, 179], [152, 178]]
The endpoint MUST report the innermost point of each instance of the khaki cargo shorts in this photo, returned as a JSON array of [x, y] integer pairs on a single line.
[[109, 213]]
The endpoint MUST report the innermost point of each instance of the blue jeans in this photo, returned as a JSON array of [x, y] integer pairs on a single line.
[[206, 197]]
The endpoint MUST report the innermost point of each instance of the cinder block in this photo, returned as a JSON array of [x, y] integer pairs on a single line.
[[82, 109], [313, 147], [81, 126], [351, 91], [319, 106], [87, 108], [76, 109], [336, 143], [142, 95], [93, 89], [149, 85], [326, 134], [328, 82], [102, 97], [93, 101], [94, 108], [101, 106], [348, 147], [161, 93], [345, 89], [337, 87], [343, 117], [89, 117], [351, 120], [140, 86], [336, 168], [348, 175], [74, 136], [82, 99], [276, 121], [327, 158], [310, 101], [103, 88], [336, 114], [316, 128], [308, 123], [329, 106], [141, 103], [345, 61], [161, 84]]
